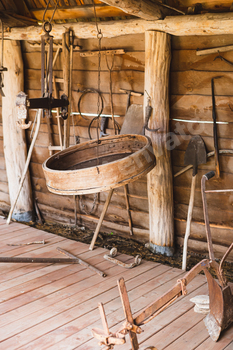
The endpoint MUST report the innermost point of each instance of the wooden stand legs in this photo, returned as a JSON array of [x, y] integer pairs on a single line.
[[101, 219], [104, 212]]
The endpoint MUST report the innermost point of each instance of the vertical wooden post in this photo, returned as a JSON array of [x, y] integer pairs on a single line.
[[66, 77], [15, 150], [160, 181]]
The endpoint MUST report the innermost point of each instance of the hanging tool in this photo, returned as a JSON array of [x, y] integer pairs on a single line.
[[2, 68], [223, 59], [195, 154], [113, 253], [129, 93], [148, 112], [42, 103], [21, 104], [81, 262], [215, 132]]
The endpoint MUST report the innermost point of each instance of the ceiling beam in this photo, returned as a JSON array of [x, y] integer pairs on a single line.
[[83, 11], [140, 8], [206, 24]]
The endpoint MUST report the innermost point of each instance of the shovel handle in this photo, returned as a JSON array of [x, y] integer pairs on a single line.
[[188, 223]]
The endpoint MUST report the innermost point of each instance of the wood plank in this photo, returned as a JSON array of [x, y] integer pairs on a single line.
[[34, 251], [178, 162], [187, 128], [218, 216], [81, 81], [202, 248], [126, 42], [114, 319], [175, 329], [114, 214], [225, 342], [133, 60], [199, 83], [181, 142], [54, 216], [200, 42], [199, 107], [191, 339], [76, 333], [78, 293], [184, 60], [75, 12], [219, 236], [158, 324], [52, 273]]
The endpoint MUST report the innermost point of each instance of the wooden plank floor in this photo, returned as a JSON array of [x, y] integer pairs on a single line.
[[45, 306]]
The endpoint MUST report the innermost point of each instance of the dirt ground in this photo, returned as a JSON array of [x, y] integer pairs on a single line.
[[128, 246]]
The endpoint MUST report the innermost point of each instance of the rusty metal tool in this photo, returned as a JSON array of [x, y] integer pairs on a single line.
[[216, 151], [37, 260], [129, 93], [29, 243], [148, 111], [81, 262], [221, 298], [113, 253], [220, 294], [195, 155], [223, 59]]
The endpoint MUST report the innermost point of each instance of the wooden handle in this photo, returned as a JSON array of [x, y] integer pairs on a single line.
[[188, 224]]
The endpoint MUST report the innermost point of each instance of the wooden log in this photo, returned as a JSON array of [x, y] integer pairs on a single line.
[[204, 24], [160, 187], [15, 148], [202, 248], [59, 216], [140, 8]]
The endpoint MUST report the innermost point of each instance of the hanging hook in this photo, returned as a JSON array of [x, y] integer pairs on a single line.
[[147, 116]]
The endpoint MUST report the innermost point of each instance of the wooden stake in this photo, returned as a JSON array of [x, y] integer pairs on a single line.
[[128, 209]]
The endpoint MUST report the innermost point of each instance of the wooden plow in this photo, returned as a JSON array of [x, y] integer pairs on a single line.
[[220, 295]]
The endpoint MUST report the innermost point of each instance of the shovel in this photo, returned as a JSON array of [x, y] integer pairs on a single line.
[[195, 154]]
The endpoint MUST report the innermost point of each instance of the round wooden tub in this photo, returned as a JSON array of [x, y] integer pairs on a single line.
[[91, 167]]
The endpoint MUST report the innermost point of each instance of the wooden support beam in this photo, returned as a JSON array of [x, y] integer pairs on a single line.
[[140, 8], [206, 24], [15, 149], [159, 180]]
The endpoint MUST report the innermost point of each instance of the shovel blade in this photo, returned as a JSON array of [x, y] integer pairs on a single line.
[[195, 153]]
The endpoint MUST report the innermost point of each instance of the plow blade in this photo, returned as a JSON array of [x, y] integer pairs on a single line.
[[221, 308]]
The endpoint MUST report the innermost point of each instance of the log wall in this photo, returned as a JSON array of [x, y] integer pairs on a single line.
[[190, 99]]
